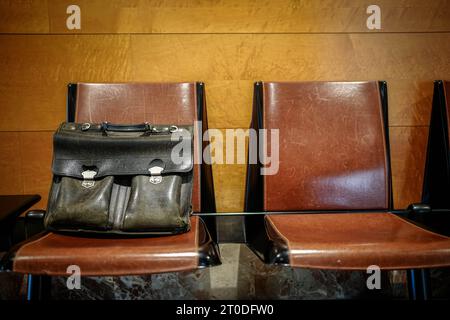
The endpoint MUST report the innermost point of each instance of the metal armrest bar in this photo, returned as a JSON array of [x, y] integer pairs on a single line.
[[397, 212]]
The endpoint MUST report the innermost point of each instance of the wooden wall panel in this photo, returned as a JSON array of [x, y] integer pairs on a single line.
[[36, 154], [229, 103], [10, 163], [34, 70], [24, 16], [408, 152], [228, 44], [25, 163], [225, 16], [229, 187], [409, 62], [229, 179], [410, 100]]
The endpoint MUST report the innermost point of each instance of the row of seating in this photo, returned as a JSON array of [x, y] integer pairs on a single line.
[[329, 206]]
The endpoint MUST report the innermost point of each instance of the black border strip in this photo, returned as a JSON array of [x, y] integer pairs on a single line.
[[72, 89]]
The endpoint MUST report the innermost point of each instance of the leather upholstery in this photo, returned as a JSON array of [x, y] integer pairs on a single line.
[[113, 156], [137, 102], [356, 241], [156, 103], [332, 146], [52, 253], [333, 156]]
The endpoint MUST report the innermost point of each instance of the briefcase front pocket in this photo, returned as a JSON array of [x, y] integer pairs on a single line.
[[157, 205], [79, 204]]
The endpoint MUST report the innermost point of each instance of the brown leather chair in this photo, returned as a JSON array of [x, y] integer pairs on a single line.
[[334, 170], [169, 103]]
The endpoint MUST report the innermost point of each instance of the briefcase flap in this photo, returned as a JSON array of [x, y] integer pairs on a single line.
[[77, 149]]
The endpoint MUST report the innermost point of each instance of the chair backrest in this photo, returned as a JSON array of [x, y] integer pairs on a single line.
[[157, 103], [333, 146], [436, 183]]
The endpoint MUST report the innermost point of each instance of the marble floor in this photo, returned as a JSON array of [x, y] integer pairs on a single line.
[[241, 276]]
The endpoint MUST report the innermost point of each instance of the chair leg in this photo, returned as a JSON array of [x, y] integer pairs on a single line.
[[419, 284], [38, 287]]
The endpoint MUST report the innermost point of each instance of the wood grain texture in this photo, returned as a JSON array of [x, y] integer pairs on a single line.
[[224, 16], [10, 164], [229, 187], [228, 64], [229, 170], [228, 44], [408, 153], [24, 16], [292, 57], [25, 164], [35, 71], [36, 154], [229, 103]]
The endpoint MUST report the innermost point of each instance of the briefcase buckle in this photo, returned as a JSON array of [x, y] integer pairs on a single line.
[[88, 178], [155, 174]]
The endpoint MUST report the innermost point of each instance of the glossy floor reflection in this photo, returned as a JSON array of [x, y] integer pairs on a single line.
[[241, 276]]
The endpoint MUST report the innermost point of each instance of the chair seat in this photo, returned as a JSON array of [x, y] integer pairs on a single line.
[[52, 253], [354, 241]]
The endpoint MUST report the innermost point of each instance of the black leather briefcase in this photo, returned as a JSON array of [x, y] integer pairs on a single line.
[[125, 179]]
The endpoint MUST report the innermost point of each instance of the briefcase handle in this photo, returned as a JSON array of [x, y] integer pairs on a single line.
[[144, 127]]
